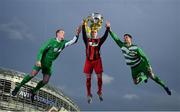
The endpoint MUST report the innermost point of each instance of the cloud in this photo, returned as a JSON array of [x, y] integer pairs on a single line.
[[130, 96], [107, 79], [15, 29]]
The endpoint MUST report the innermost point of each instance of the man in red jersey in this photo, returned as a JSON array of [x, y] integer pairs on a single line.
[[93, 58]]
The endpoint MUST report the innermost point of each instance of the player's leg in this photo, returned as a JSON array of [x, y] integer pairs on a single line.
[[42, 83], [99, 82], [99, 70], [26, 79], [88, 87], [88, 84], [46, 76], [88, 71], [158, 81]]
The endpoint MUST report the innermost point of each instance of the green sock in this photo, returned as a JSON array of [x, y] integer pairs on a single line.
[[26, 79], [38, 86], [159, 81]]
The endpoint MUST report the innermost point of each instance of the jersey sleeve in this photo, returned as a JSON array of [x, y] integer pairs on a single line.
[[104, 37], [116, 39], [84, 35], [42, 49], [71, 42], [142, 54]]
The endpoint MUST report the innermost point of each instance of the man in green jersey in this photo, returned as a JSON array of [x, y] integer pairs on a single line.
[[136, 59], [47, 54]]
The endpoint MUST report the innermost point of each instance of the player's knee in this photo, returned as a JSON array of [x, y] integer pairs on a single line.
[[99, 76], [88, 76], [151, 75], [45, 81], [135, 81], [34, 73], [88, 81]]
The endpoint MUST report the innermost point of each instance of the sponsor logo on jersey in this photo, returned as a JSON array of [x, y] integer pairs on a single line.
[[93, 44]]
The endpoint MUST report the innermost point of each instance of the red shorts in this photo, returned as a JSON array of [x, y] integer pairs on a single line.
[[94, 64]]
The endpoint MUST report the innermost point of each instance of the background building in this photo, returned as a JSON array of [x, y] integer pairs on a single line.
[[47, 99]]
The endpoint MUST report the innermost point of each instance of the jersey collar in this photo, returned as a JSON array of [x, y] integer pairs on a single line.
[[58, 40]]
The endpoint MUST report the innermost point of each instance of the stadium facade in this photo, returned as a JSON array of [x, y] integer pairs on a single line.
[[47, 99]]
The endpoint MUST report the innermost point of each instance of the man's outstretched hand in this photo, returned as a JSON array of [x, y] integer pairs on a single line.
[[78, 30], [108, 24]]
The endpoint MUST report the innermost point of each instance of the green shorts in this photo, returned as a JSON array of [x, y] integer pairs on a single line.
[[140, 71], [45, 70]]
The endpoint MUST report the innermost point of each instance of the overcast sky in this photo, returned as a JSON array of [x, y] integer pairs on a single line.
[[154, 25]]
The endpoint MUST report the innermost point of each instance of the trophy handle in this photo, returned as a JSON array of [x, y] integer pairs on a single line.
[[87, 28]]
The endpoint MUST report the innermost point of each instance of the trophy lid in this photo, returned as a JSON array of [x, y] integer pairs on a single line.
[[96, 16]]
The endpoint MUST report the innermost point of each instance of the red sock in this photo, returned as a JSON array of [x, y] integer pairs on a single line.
[[88, 86], [99, 86]]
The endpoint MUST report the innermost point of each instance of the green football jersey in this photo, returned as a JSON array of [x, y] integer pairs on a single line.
[[133, 54], [52, 48]]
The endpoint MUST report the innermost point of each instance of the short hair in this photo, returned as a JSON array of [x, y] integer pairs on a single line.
[[94, 30], [128, 35], [57, 31]]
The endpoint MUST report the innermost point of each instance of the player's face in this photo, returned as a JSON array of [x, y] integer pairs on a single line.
[[94, 33], [127, 39], [60, 35]]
